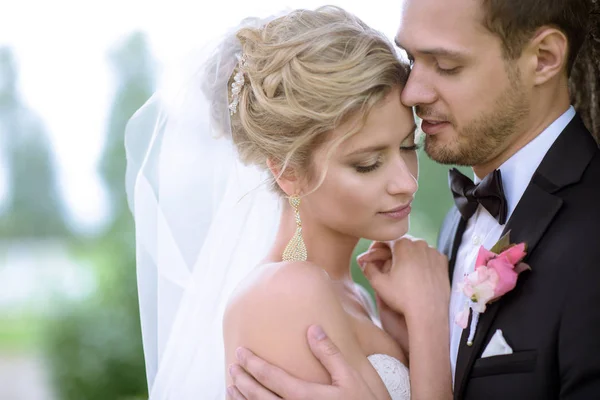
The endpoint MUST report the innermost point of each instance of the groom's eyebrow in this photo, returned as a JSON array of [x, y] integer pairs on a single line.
[[445, 53], [435, 51]]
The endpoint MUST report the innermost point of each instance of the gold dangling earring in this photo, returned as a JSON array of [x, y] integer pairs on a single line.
[[295, 249]]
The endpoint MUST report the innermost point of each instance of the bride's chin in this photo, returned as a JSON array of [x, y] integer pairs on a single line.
[[386, 235]]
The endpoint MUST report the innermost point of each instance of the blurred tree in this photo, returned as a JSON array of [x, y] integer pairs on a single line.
[[96, 347], [34, 207], [585, 77], [135, 78]]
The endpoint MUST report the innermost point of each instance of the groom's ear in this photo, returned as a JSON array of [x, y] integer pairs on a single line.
[[286, 180], [548, 53]]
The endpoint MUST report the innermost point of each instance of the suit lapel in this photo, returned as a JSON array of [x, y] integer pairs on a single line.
[[451, 237], [529, 221]]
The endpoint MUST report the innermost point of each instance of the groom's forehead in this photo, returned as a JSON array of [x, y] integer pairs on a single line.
[[433, 23], [454, 15]]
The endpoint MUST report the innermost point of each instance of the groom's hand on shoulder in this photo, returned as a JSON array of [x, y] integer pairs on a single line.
[[256, 379]]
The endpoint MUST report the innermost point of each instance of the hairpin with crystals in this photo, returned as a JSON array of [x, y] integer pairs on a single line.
[[237, 84]]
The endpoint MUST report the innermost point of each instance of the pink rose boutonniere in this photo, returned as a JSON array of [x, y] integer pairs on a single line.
[[495, 274]]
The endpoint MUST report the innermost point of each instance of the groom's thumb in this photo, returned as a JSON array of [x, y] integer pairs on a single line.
[[327, 353]]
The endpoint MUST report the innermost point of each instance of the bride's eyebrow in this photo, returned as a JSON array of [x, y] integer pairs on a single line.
[[381, 147]]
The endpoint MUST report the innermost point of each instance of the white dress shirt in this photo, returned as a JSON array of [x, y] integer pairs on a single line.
[[484, 230]]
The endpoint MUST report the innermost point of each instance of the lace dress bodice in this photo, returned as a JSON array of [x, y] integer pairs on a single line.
[[394, 375]]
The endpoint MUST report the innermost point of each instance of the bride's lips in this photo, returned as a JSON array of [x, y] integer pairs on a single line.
[[398, 212], [431, 127]]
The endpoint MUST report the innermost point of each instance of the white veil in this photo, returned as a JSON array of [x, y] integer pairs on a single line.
[[203, 221]]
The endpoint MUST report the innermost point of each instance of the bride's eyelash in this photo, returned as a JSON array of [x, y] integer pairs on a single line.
[[366, 169], [413, 147]]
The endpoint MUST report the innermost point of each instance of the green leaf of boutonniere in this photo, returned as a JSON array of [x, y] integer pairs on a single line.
[[502, 244]]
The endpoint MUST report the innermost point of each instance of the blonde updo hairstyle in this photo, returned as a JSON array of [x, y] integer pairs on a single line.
[[305, 74]]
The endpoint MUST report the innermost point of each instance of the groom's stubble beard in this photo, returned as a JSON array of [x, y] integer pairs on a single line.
[[485, 136]]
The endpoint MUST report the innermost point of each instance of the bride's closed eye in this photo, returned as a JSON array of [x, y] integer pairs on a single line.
[[411, 147], [371, 165], [409, 144], [368, 167]]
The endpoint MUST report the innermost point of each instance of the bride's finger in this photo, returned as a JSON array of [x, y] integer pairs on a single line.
[[373, 273], [376, 255], [379, 245], [381, 305]]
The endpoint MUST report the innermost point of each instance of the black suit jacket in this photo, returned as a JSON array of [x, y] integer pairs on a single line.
[[552, 317]]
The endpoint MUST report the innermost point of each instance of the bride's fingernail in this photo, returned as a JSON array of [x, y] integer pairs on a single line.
[[361, 257], [366, 253], [361, 264], [230, 391]]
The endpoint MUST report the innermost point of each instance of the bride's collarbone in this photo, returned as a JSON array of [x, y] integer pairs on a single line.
[[371, 338]]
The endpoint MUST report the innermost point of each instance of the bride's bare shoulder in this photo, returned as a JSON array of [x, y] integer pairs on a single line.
[[272, 310], [280, 282]]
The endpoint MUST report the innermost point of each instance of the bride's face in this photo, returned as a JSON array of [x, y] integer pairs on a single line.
[[371, 177]]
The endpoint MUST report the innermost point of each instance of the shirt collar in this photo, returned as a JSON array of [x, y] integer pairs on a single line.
[[518, 170]]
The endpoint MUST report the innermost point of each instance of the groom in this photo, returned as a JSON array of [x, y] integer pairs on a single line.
[[489, 80]]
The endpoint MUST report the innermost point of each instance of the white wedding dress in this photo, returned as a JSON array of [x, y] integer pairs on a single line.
[[394, 375]]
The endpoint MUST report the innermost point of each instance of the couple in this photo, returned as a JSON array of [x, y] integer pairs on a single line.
[[251, 189]]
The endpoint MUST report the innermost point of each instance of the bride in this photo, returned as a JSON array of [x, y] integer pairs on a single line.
[[250, 189]]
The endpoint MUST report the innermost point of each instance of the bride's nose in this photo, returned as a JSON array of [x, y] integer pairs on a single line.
[[402, 180]]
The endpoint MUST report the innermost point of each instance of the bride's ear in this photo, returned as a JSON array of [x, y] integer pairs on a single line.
[[287, 181]]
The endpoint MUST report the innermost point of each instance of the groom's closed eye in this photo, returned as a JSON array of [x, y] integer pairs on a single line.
[[442, 70], [446, 61]]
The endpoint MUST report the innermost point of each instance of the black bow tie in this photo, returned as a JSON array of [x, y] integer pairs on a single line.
[[488, 193]]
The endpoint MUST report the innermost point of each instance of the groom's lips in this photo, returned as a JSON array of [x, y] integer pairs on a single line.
[[431, 127]]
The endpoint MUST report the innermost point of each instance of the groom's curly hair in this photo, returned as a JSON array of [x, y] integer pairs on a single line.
[[516, 21]]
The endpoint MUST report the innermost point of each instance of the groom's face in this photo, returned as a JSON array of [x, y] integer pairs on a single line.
[[469, 96]]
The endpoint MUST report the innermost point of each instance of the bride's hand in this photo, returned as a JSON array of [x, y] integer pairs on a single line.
[[256, 379], [409, 276], [394, 324], [416, 284]]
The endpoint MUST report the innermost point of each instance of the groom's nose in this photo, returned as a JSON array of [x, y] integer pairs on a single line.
[[418, 90]]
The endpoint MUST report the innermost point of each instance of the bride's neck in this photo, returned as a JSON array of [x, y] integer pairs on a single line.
[[326, 248]]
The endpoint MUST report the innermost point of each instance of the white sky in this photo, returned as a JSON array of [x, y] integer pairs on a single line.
[[61, 49]]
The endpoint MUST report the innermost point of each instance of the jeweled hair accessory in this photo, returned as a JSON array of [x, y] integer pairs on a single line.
[[237, 84]]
